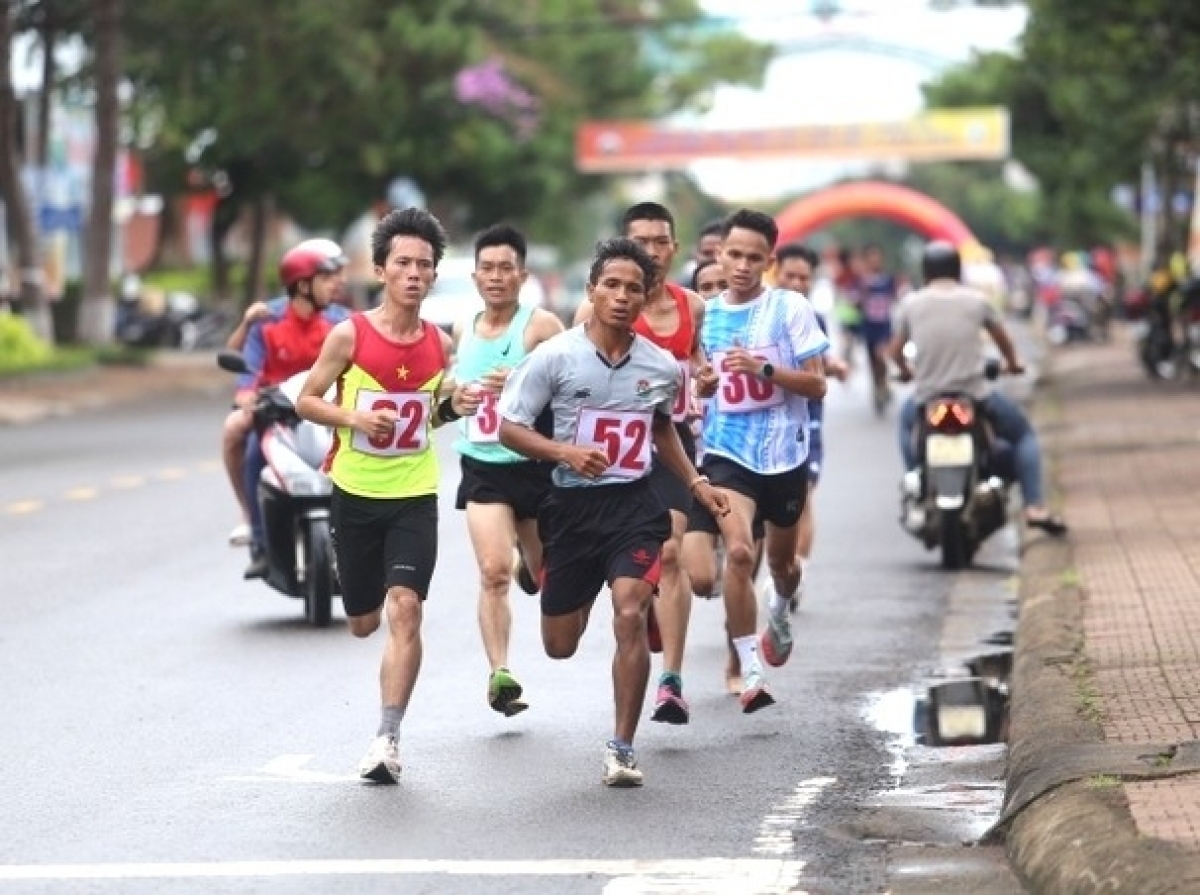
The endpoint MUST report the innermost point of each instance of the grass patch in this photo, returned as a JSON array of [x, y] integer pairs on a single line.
[[1103, 781], [1087, 696], [1070, 577], [70, 359]]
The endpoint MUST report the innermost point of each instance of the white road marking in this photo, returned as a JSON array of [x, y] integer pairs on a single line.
[[291, 769], [775, 834], [728, 875]]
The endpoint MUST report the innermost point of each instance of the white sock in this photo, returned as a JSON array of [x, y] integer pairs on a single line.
[[777, 605], [747, 650]]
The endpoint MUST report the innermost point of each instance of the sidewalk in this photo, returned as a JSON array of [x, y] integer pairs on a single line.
[[31, 398], [1104, 763]]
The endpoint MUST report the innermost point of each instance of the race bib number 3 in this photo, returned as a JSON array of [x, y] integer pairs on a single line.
[[679, 412], [483, 427], [411, 433], [744, 392], [624, 436]]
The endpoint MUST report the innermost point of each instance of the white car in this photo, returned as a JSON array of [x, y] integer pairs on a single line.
[[454, 296]]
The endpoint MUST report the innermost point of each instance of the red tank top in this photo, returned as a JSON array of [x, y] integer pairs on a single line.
[[680, 342], [394, 366]]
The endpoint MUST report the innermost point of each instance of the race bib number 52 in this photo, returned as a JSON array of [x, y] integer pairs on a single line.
[[744, 392], [624, 436], [411, 433]]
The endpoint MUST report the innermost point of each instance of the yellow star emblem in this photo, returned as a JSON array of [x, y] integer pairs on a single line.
[[402, 372]]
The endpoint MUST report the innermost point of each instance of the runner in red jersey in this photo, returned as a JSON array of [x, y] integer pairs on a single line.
[[670, 319]]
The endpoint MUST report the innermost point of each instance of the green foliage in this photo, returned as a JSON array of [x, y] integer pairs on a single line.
[[320, 104], [20, 348]]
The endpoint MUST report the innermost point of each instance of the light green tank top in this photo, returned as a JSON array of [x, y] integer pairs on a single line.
[[479, 434]]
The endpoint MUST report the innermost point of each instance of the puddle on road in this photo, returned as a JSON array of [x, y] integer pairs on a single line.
[[895, 713]]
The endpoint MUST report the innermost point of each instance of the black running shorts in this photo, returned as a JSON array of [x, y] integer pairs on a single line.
[[383, 543], [779, 498], [595, 535], [521, 486]]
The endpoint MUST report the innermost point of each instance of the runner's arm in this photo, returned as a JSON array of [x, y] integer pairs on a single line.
[[671, 453], [336, 355]]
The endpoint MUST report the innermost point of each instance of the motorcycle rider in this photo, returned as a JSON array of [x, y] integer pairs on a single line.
[[943, 320], [246, 338], [287, 344]]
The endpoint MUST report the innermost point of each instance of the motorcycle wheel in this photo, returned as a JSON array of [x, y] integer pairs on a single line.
[[318, 577], [956, 550]]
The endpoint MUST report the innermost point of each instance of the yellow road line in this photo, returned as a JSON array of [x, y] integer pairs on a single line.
[[23, 507], [127, 481], [209, 466], [83, 493], [171, 474]]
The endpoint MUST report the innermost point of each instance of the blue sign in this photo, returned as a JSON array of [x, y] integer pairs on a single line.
[[51, 219]]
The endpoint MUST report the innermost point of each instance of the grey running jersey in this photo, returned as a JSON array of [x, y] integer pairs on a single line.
[[608, 406]]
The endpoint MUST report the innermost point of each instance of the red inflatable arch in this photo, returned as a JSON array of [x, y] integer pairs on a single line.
[[871, 199]]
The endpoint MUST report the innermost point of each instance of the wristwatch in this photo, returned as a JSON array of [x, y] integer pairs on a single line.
[[767, 371]]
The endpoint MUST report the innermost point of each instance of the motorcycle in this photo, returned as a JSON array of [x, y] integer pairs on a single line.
[[294, 496], [1167, 331], [958, 496]]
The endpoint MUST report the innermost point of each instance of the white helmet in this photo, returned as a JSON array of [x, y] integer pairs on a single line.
[[326, 247]]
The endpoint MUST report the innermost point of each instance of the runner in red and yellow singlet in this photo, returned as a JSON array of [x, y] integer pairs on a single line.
[[390, 368]]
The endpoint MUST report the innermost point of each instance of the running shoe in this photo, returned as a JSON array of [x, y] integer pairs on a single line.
[[669, 706], [240, 536], [620, 766], [504, 693], [381, 764], [775, 642], [754, 694], [525, 579], [653, 635]]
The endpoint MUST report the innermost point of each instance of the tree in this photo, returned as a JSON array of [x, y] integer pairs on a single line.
[[18, 216], [96, 313], [347, 96]]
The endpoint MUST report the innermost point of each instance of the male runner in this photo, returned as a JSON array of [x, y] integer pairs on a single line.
[[612, 393], [389, 367], [765, 348], [500, 490], [671, 317]]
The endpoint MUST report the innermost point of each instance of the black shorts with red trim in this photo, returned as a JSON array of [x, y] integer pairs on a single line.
[[592, 536]]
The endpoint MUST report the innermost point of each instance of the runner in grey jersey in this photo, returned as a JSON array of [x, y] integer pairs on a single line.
[[611, 393]]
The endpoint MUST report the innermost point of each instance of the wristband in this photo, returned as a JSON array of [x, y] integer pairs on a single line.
[[698, 480], [446, 412]]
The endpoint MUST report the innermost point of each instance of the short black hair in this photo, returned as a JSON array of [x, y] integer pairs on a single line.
[[415, 222], [502, 235], [708, 262], [756, 221], [712, 228], [797, 250], [647, 211], [621, 247]]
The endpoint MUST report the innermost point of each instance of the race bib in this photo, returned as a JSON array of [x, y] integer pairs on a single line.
[[483, 427], [623, 435], [411, 433], [683, 400], [745, 392]]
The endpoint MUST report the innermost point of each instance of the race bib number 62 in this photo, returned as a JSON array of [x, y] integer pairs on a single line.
[[624, 436], [411, 433]]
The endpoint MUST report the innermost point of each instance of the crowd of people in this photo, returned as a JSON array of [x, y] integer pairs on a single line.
[[666, 445]]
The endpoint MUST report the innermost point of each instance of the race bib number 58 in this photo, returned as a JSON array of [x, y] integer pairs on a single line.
[[411, 433], [624, 436], [744, 392]]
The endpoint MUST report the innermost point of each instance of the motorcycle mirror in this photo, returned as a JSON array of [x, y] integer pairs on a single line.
[[232, 361]]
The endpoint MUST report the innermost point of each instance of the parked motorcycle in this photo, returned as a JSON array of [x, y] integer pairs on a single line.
[[294, 496], [958, 495], [1167, 331]]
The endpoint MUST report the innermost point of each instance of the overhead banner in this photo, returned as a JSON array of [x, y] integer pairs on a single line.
[[936, 136]]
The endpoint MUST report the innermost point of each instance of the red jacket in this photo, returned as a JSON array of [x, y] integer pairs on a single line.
[[292, 344]]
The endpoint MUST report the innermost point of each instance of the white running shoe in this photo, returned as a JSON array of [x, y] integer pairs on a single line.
[[240, 536], [620, 767], [381, 764]]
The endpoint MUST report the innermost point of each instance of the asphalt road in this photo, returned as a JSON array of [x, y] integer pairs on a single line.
[[171, 728]]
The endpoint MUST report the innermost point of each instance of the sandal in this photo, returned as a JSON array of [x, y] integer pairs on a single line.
[[1051, 525]]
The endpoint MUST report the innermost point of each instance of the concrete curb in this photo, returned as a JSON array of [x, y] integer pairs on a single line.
[[1069, 830]]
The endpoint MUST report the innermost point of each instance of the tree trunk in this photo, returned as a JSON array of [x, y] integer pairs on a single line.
[[98, 310], [225, 215], [264, 207], [26, 274], [49, 39]]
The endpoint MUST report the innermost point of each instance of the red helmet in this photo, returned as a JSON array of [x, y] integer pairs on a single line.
[[305, 261]]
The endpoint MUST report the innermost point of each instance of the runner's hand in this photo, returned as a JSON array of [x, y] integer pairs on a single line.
[[588, 462], [705, 381], [838, 369], [494, 381], [739, 360], [465, 400], [375, 424], [712, 499]]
